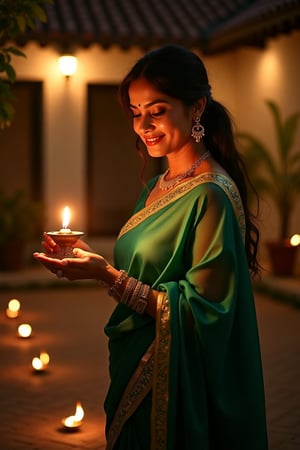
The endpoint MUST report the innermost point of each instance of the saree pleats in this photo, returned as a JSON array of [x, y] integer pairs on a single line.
[[205, 387]]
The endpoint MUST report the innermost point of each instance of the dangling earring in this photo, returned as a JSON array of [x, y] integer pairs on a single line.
[[197, 130]]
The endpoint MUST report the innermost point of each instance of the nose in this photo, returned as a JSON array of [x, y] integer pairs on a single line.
[[145, 123]]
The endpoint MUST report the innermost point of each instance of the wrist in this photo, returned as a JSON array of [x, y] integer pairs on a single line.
[[109, 277]]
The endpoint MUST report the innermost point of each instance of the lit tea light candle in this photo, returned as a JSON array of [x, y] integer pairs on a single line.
[[295, 240], [65, 238], [73, 423], [40, 364], [66, 221], [24, 330], [13, 308]]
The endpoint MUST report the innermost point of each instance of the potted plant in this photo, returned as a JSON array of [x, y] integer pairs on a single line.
[[278, 176], [20, 220]]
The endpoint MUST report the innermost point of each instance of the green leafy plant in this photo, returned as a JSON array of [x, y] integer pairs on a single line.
[[16, 17], [276, 174]]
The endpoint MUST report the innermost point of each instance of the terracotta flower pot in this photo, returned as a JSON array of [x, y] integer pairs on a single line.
[[282, 257]]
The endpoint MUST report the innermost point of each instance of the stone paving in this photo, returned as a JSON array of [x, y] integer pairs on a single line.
[[68, 321]]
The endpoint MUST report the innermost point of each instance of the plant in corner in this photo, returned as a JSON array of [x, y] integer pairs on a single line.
[[20, 221], [16, 17], [277, 175]]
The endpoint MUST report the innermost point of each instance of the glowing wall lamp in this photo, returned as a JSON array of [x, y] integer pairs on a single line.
[[67, 65]]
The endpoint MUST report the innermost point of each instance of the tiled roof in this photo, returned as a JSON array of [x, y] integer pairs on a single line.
[[262, 20], [213, 26]]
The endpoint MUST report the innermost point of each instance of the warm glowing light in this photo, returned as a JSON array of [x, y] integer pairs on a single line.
[[14, 304], [37, 363], [24, 330], [11, 314], [41, 363], [67, 65], [13, 308], [66, 216], [45, 358], [73, 422], [295, 240]]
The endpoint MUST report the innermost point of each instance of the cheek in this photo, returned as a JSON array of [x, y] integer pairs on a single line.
[[181, 123]]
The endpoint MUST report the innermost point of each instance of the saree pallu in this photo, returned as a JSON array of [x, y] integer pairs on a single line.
[[192, 378]]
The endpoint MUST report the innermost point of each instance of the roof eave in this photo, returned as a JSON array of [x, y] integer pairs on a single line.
[[254, 33]]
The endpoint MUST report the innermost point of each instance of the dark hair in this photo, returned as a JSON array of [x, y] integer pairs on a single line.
[[180, 73]]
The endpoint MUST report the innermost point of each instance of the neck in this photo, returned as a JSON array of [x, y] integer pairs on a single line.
[[179, 163], [166, 182]]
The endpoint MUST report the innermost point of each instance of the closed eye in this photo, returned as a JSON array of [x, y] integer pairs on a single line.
[[158, 113]]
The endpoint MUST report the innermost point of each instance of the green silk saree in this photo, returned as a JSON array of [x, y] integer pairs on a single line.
[[191, 379]]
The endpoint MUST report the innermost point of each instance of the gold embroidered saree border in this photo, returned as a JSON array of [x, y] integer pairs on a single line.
[[160, 391], [226, 183], [137, 389]]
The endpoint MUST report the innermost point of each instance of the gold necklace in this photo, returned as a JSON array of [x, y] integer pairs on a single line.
[[165, 185]]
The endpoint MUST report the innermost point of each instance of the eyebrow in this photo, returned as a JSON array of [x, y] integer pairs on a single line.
[[158, 100]]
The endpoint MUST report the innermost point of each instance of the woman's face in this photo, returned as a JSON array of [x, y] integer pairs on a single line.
[[162, 122]]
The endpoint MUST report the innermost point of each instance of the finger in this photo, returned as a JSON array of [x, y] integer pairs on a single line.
[[79, 252], [49, 244], [48, 238], [42, 257], [38, 255]]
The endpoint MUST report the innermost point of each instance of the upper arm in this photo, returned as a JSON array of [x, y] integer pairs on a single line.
[[213, 255]]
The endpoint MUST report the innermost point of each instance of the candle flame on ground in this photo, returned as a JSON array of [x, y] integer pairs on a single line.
[[295, 240], [13, 308], [37, 363], [24, 330], [75, 421], [45, 358], [40, 364], [14, 304]]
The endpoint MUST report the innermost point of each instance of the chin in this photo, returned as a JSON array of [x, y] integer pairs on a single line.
[[155, 154]]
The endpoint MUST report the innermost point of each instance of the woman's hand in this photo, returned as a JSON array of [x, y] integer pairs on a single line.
[[51, 247], [85, 265]]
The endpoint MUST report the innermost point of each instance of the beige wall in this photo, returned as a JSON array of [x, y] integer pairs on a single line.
[[241, 80], [270, 74], [64, 121]]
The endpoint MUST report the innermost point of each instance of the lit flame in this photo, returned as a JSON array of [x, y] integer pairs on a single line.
[[45, 358], [40, 364], [75, 421], [24, 330], [37, 363], [295, 240], [14, 304], [66, 217], [13, 308]]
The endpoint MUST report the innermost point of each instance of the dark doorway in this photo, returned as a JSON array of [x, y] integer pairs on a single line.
[[21, 143]]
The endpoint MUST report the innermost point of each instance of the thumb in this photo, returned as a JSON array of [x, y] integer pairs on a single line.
[[78, 252]]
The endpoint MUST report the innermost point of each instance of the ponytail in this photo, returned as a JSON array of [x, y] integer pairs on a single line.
[[219, 139]]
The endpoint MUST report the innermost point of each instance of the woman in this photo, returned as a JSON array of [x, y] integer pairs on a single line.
[[185, 362]]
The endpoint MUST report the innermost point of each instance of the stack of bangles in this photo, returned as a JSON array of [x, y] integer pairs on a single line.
[[135, 294]]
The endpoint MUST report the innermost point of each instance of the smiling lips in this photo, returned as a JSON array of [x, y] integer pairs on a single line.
[[152, 141]]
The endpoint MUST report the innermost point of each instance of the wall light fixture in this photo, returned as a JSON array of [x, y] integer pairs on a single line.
[[67, 65]]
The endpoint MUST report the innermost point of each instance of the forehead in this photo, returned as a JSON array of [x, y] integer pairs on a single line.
[[141, 92]]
